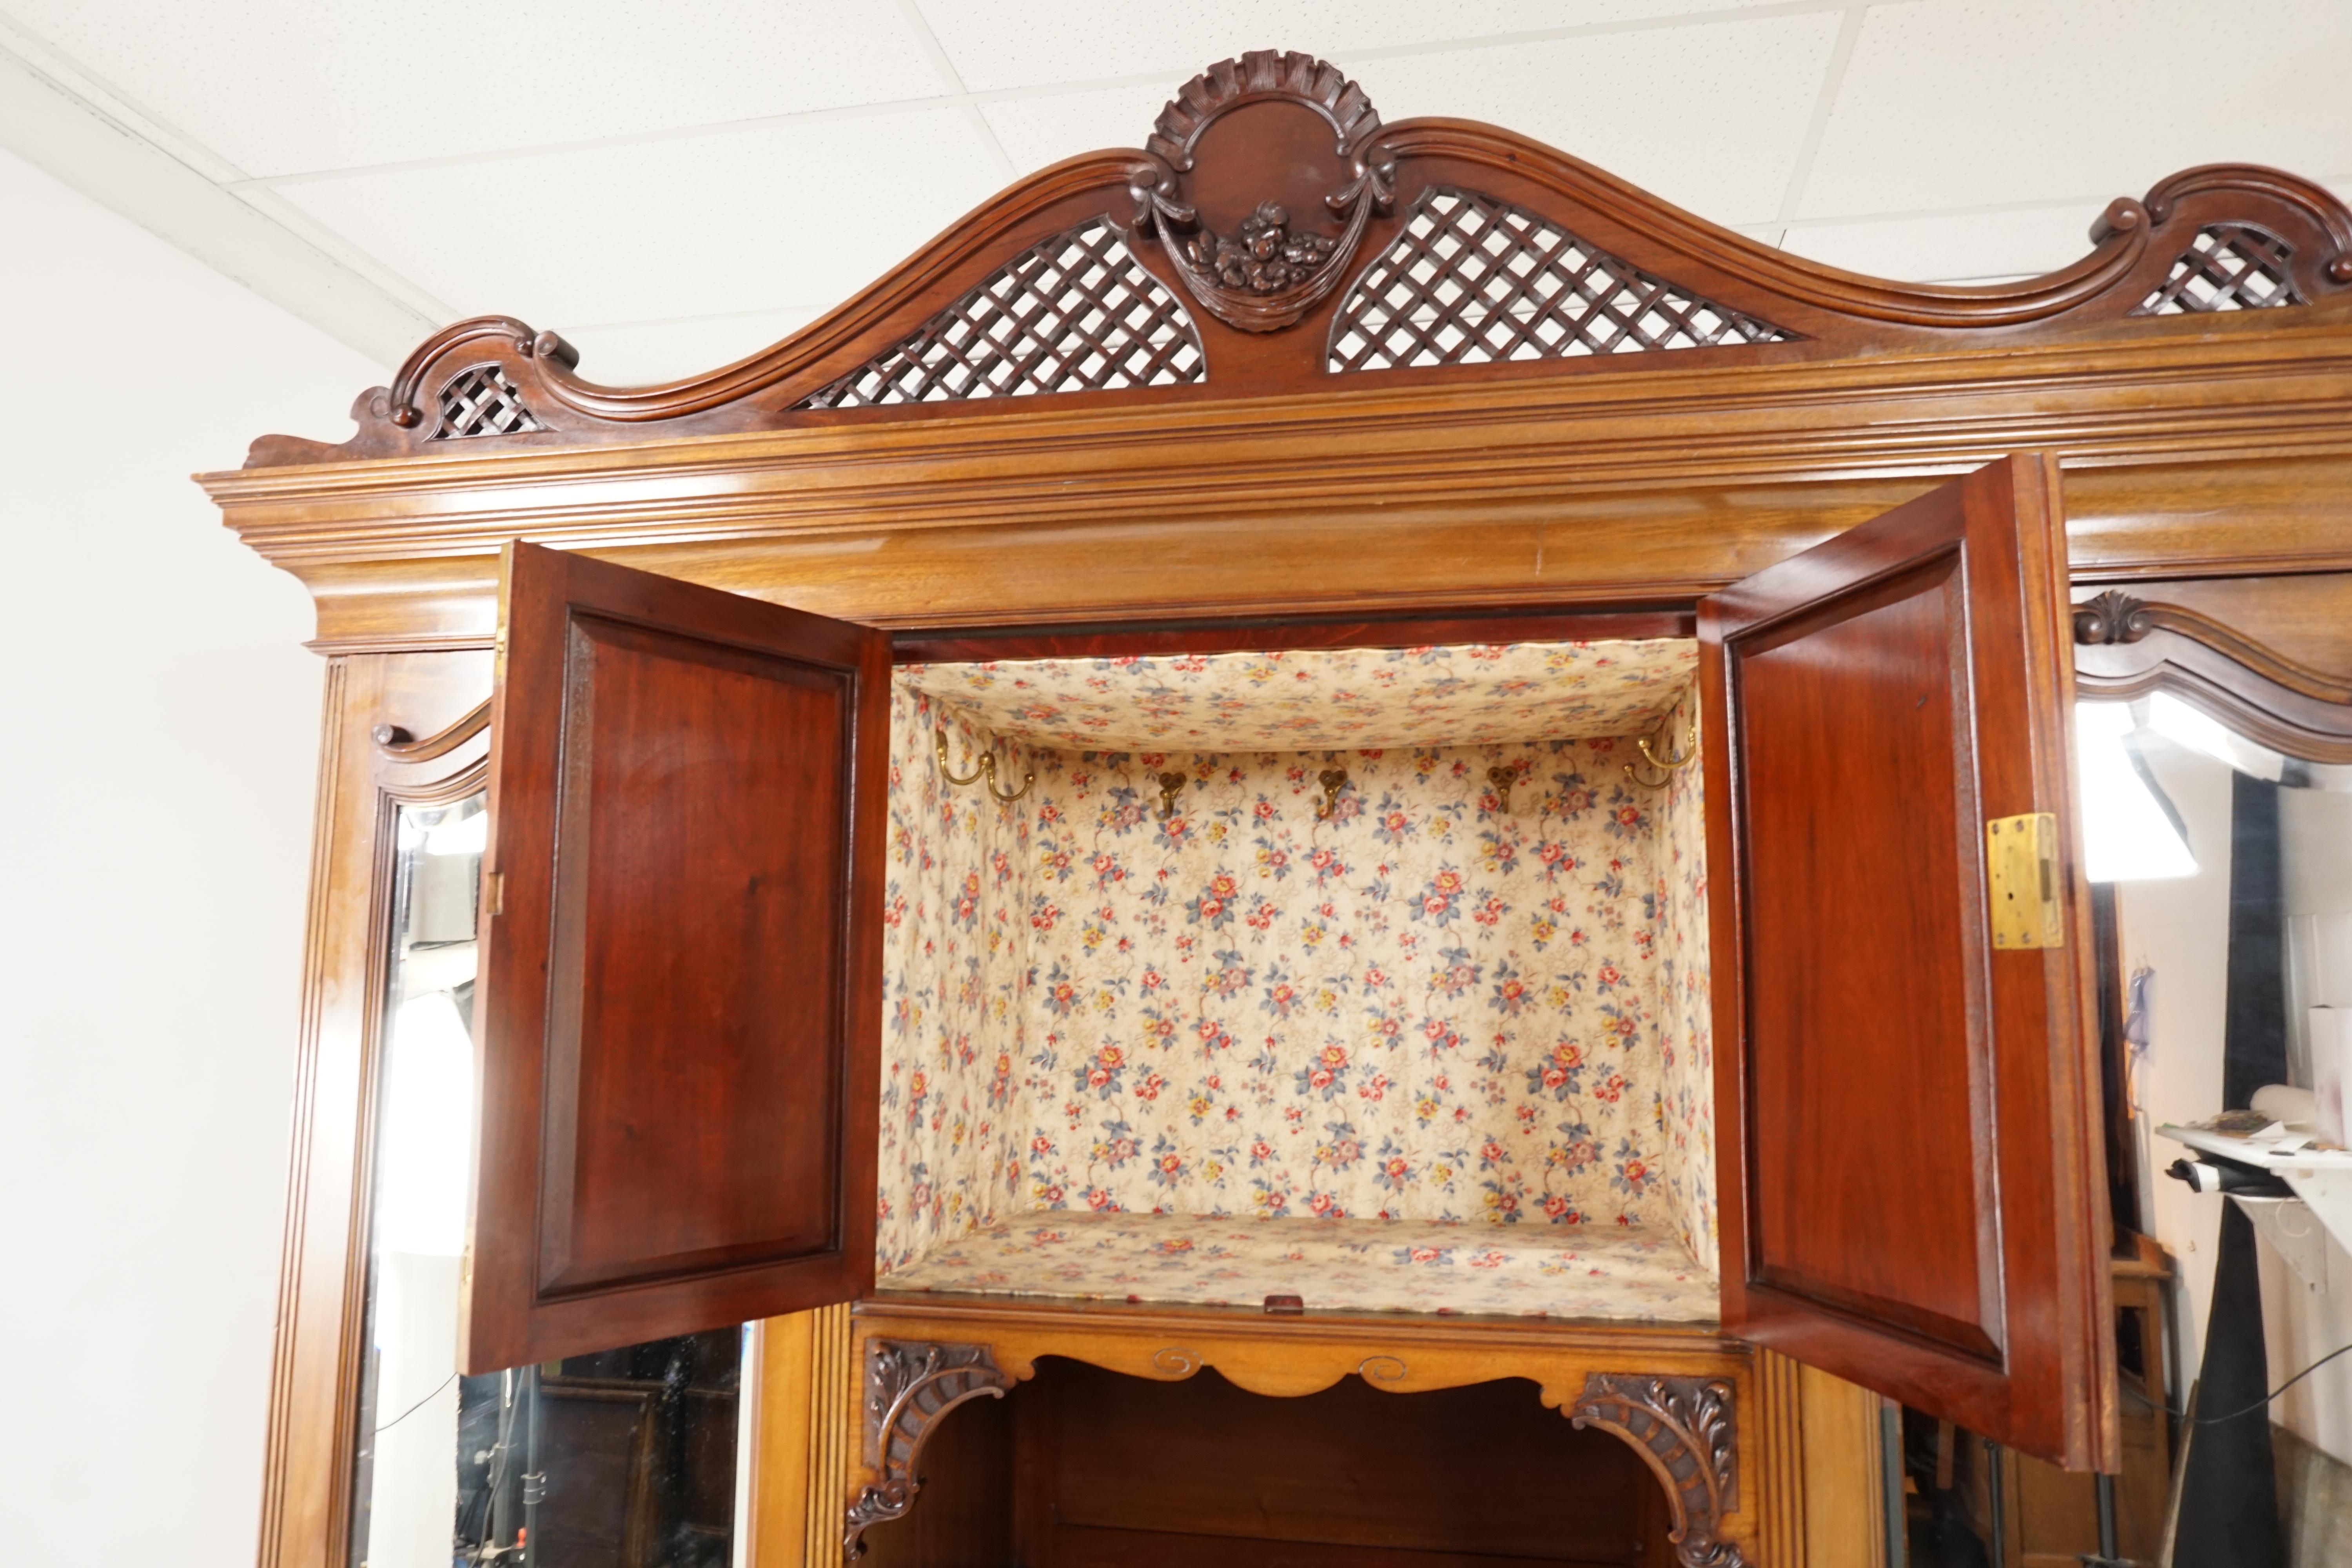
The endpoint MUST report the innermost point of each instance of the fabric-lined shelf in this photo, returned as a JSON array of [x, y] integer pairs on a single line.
[[1626, 1273]]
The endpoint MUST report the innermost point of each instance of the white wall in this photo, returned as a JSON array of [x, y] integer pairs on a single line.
[[160, 721]]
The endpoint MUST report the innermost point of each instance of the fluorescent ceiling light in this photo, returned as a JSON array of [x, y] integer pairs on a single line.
[[2129, 832]]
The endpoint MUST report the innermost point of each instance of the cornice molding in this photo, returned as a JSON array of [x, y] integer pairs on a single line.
[[2169, 396]]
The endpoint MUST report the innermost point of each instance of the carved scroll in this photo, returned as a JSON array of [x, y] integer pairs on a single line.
[[1275, 265], [403, 746], [909, 1387], [1684, 1426]]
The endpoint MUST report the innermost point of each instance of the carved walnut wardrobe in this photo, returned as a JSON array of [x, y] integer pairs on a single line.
[[1328, 760]]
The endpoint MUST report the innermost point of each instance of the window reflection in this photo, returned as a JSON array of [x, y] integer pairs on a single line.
[[622, 1459]]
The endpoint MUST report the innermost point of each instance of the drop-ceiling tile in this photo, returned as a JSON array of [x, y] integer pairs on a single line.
[[282, 86], [1018, 43], [1711, 117], [1945, 249], [740, 220], [1035, 131], [1953, 103]]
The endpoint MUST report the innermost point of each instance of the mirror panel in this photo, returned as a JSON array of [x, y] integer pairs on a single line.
[[605, 1460]]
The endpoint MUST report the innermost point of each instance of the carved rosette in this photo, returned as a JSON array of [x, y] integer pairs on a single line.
[[909, 1386], [1684, 1426], [2112, 617], [1274, 268]]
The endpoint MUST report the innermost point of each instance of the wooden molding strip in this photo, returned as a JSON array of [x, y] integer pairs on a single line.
[[400, 746]]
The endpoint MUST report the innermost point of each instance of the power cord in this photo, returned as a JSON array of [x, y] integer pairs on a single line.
[[2273, 1393]]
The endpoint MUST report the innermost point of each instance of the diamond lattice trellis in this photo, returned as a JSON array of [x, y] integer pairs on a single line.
[[482, 402], [1471, 280], [1077, 313], [2228, 266]]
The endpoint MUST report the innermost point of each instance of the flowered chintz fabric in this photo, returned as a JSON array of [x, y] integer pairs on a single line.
[[1314, 698], [1424, 1009], [1686, 1097], [1398, 1266]]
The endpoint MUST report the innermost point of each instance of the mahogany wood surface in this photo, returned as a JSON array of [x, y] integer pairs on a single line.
[[682, 982], [2127, 645], [1645, 490], [1277, 636], [318, 1351], [1113, 1470], [1908, 1119]]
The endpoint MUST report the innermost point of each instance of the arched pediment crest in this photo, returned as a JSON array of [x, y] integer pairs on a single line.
[[1274, 235]]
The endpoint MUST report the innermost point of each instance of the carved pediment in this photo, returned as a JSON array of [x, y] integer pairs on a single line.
[[1274, 232]]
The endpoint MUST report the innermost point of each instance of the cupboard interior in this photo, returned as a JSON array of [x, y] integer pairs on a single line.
[[1375, 977], [1080, 1467]]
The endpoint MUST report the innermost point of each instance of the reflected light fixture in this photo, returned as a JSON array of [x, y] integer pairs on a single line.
[[423, 1143], [455, 835], [2130, 832]]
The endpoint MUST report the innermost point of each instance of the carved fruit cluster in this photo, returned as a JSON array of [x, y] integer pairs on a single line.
[[1264, 257]]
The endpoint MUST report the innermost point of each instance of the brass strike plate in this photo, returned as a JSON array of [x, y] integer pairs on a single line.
[[2022, 868]]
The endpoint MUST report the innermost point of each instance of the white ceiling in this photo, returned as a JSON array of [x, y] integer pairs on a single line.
[[673, 186]]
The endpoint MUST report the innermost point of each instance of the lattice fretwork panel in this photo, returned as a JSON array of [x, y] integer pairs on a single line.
[[1471, 280], [2228, 266], [1077, 313], [482, 402]]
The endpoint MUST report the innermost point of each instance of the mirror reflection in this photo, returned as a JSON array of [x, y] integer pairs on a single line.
[[2223, 873], [623, 1460]]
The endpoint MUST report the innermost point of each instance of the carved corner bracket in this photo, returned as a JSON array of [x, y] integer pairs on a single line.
[[1684, 1427], [910, 1386], [1271, 271]]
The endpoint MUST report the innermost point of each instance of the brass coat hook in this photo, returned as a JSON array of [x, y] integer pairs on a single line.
[[1170, 786], [1502, 776], [984, 768], [1333, 781], [1666, 766]]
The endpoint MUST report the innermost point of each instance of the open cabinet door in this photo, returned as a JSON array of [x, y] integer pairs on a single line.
[[679, 1020], [1906, 1080]]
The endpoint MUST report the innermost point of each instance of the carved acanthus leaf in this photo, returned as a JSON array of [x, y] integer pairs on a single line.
[[1684, 1427], [910, 1386]]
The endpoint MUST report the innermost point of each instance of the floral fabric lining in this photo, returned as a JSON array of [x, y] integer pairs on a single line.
[[1364, 1266], [1318, 699], [1426, 1009]]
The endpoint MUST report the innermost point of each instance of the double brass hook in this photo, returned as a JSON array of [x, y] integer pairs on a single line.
[[1503, 775], [1665, 766], [983, 769], [1172, 784]]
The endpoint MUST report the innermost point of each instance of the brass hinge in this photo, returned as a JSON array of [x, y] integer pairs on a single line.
[[494, 892], [2021, 875]]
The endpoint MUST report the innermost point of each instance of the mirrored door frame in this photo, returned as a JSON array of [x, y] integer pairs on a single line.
[[399, 730]]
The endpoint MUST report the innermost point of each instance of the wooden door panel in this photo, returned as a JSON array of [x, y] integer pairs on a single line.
[[1908, 1112], [680, 1001]]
